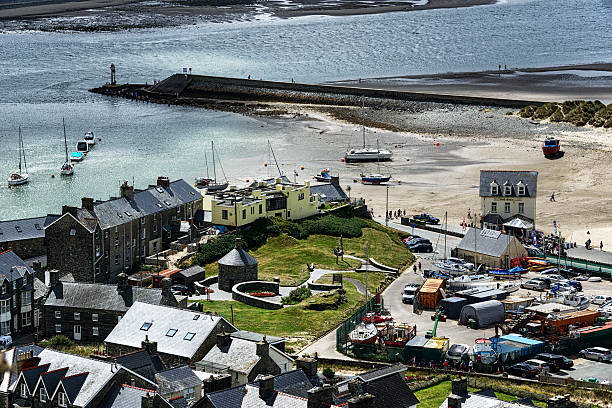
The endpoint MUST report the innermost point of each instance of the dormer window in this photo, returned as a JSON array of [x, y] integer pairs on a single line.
[[507, 188], [520, 187], [494, 189]]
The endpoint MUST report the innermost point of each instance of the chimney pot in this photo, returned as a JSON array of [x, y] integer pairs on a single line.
[[223, 339], [459, 387], [307, 365], [163, 182], [87, 203], [454, 401], [70, 210], [127, 191], [266, 386]]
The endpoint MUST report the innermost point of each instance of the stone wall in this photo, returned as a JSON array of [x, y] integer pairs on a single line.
[[26, 248], [70, 248], [107, 320], [239, 295], [231, 275]]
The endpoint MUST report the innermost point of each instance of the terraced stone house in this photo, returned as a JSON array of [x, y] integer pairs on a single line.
[[16, 291]]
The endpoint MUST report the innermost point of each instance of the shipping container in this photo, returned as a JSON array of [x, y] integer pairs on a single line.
[[534, 346], [452, 306], [414, 348], [491, 294], [435, 349], [430, 293]]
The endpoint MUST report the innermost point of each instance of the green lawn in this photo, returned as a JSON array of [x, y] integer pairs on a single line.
[[374, 279], [286, 257], [299, 325]]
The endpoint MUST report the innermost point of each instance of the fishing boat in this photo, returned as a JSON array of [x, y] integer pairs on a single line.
[[551, 146], [375, 178], [483, 351], [89, 138], [82, 147], [364, 333], [212, 184], [67, 168], [366, 154], [21, 176], [377, 317], [76, 157], [324, 176], [398, 336]]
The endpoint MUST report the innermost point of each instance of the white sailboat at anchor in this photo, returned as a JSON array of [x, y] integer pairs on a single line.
[[21, 176], [67, 168]]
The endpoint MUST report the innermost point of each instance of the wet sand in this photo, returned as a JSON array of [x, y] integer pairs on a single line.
[[549, 84]]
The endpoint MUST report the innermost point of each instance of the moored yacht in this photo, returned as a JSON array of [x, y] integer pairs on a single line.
[[89, 138], [21, 176]]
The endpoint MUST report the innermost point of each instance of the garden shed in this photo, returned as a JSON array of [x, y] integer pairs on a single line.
[[485, 313], [236, 267]]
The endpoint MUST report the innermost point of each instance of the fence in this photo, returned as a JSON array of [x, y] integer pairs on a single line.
[[342, 342], [592, 267]]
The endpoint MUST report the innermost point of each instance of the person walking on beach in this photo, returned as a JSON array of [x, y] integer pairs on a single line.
[[601, 245], [414, 268], [419, 266], [552, 196]]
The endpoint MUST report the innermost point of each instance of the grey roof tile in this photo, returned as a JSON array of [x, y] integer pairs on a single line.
[[125, 396], [30, 375], [390, 391], [293, 382], [191, 271], [382, 372], [26, 228], [176, 379], [100, 296], [12, 267], [529, 178], [52, 378], [141, 362], [239, 354], [238, 257], [72, 384], [328, 192], [256, 337], [489, 242]]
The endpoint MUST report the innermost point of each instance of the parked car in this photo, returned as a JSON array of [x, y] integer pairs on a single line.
[[596, 353], [540, 365], [409, 238], [415, 240], [421, 247], [600, 299], [555, 361], [553, 277], [535, 284], [409, 293], [457, 354], [562, 287], [523, 370], [459, 261], [567, 362], [428, 218], [180, 289]]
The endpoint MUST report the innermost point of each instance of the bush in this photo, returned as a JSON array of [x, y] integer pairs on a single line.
[[329, 373], [58, 342], [335, 226], [296, 296], [527, 111], [545, 110], [214, 249]]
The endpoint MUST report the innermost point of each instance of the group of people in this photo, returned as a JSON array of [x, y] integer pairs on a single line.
[[464, 366], [396, 214]]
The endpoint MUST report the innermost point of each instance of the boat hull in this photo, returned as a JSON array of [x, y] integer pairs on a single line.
[[363, 334], [551, 147], [364, 158], [375, 180], [19, 181]]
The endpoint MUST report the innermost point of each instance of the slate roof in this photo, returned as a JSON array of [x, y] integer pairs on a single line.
[[390, 391], [40, 289], [483, 401], [382, 372], [12, 267], [141, 362], [152, 200], [247, 396], [73, 384], [176, 379], [178, 402], [256, 337], [328, 192], [294, 382], [125, 396], [25, 228], [31, 375], [240, 355], [238, 257], [100, 296], [486, 244], [191, 271], [529, 178], [51, 379], [11, 356], [128, 331]]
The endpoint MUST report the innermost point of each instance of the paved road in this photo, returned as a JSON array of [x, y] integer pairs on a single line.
[[587, 369]]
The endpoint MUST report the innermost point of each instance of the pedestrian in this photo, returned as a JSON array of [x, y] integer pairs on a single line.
[[404, 212], [419, 266], [446, 364], [414, 268], [249, 77], [601, 245], [500, 67], [552, 196], [469, 213], [505, 67], [470, 366]]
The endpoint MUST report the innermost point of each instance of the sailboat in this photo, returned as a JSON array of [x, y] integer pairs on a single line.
[[20, 177], [365, 332], [366, 154], [375, 178], [207, 182], [67, 168]]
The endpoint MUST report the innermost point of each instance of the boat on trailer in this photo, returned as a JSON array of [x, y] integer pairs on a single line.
[[364, 333]]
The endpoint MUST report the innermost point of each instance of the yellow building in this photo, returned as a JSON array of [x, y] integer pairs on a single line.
[[278, 198]]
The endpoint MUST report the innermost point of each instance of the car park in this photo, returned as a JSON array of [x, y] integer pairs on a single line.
[[600, 299], [555, 361], [596, 353], [535, 284], [428, 218], [540, 365], [409, 293], [523, 370]]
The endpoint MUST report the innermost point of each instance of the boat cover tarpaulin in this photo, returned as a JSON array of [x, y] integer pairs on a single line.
[[452, 306], [519, 223], [485, 313]]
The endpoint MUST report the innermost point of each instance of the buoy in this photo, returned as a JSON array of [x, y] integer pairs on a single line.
[[396, 146], [399, 181], [342, 160], [52, 175], [301, 167], [99, 139], [247, 180], [265, 164], [437, 144]]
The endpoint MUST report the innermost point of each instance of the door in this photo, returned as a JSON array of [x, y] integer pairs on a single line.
[[77, 332]]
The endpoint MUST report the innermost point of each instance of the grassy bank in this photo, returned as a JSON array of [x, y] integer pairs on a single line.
[[579, 113]]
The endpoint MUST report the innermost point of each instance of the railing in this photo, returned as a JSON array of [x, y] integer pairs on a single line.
[[342, 341], [590, 267]]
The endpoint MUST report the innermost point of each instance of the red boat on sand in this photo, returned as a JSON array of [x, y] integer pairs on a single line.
[[551, 146], [364, 333]]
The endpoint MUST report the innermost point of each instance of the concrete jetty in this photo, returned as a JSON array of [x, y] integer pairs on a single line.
[[201, 89]]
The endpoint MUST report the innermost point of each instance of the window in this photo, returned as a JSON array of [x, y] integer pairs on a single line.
[[260, 208], [243, 214], [196, 317], [143, 233], [494, 189], [95, 331], [58, 314], [507, 190], [43, 395], [116, 259], [521, 209], [106, 234], [94, 317], [97, 234], [26, 319], [146, 326], [26, 298], [134, 242], [189, 336], [143, 250], [116, 243], [58, 328], [224, 214], [189, 393], [494, 207], [506, 207], [4, 289], [97, 250], [301, 196], [127, 243], [77, 316], [5, 328], [288, 213], [119, 318], [37, 226], [116, 229], [23, 390], [14, 285], [142, 221], [154, 227], [18, 228], [5, 306], [171, 332], [72, 232], [61, 399]]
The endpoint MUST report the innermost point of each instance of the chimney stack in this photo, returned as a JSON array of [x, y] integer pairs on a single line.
[[26, 360], [238, 243], [168, 298], [149, 346], [70, 210], [558, 401], [354, 387], [122, 282], [307, 365], [454, 401], [335, 181], [87, 203], [147, 401], [223, 339], [127, 191], [263, 349], [51, 277], [361, 401], [459, 387], [320, 397], [163, 182], [266, 386]]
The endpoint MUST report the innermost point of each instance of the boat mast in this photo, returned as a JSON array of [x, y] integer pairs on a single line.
[[222, 169], [25, 163], [366, 273], [212, 143], [19, 149], [363, 121], [275, 161], [206, 161], [445, 228], [65, 141]]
